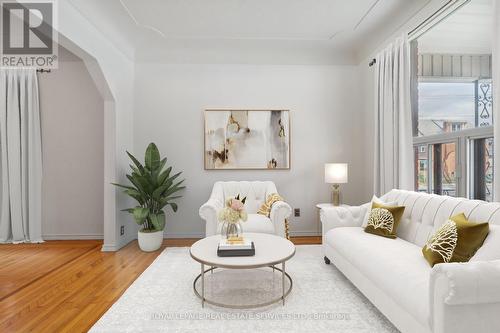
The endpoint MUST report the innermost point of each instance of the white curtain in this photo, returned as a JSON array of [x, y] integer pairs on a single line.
[[20, 157], [496, 99], [393, 144]]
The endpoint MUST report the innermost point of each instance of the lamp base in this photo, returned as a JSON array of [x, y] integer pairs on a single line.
[[336, 195]]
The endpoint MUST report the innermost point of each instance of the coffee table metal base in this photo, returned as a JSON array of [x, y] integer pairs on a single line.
[[204, 300]]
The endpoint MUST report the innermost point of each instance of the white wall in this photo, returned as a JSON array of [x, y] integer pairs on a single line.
[[72, 114], [326, 126], [117, 89]]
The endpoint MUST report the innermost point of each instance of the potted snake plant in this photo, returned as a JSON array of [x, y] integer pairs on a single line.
[[152, 186]]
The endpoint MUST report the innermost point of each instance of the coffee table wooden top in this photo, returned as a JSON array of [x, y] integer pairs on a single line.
[[269, 250]]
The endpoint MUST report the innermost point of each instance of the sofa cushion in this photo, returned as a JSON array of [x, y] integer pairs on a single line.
[[255, 223], [396, 266]]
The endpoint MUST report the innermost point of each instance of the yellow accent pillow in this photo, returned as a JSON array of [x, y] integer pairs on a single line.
[[384, 220], [457, 240], [265, 209]]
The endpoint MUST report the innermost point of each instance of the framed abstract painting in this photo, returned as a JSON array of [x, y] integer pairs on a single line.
[[247, 139]]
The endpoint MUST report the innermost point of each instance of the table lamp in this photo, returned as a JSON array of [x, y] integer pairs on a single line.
[[336, 174]]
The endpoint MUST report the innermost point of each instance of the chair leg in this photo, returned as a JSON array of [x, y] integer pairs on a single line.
[[327, 261]]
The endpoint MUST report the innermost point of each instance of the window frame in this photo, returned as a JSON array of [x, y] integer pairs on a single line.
[[462, 140], [471, 165]]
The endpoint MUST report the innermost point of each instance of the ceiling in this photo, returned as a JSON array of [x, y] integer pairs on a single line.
[[466, 31], [241, 31]]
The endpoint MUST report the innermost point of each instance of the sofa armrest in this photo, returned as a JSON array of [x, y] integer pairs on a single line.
[[208, 212], [349, 216], [279, 212], [465, 297], [475, 282]]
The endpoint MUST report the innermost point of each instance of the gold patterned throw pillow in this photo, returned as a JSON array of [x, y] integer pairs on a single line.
[[384, 220], [265, 209], [457, 240]]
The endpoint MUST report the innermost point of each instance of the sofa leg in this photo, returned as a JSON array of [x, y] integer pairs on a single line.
[[327, 261]]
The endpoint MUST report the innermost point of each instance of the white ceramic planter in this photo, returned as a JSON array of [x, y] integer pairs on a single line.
[[150, 241]]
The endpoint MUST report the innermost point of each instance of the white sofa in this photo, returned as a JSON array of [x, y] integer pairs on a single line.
[[395, 277], [256, 193]]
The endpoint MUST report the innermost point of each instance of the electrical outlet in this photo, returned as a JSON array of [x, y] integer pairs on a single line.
[[122, 230], [296, 212]]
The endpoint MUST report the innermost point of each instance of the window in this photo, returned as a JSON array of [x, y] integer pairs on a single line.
[[481, 171], [452, 105], [422, 169], [445, 107], [443, 159]]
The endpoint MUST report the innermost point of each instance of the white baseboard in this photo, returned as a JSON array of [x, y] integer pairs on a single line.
[[184, 235], [200, 235], [305, 233], [109, 248], [167, 235], [72, 237]]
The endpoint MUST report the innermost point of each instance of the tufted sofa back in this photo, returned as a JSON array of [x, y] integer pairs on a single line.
[[256, 192], [424, 213]]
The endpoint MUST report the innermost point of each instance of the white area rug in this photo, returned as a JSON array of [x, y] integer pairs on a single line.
[[322, 299]]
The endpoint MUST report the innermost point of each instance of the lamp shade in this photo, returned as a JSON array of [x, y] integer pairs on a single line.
[[336, 173]]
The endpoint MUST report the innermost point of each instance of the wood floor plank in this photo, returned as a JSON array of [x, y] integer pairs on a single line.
[[17, 265], [66, 286]]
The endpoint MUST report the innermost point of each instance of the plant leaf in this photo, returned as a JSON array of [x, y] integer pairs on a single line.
[[138, 164], [174, 177], [136, 195], [152, 158], [175, 188], [140, 214], [158, 193], [173, 205], [164, 175], [142, 183], [124, 186], [158, 221], [173, 198]]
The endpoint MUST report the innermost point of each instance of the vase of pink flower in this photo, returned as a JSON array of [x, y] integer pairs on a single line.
[[231, 217]]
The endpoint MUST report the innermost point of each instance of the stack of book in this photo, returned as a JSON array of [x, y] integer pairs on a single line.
[[236, 247]]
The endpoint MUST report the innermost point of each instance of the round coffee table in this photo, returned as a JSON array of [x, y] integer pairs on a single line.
[[270, 250]]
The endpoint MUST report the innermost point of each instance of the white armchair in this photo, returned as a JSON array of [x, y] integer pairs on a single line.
[[256, 193]]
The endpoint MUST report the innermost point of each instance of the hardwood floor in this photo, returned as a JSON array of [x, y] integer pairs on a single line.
[[66, 286]]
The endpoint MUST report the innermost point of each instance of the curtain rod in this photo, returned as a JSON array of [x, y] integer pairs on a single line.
[[414, 33], [442, 13], [430, 18]]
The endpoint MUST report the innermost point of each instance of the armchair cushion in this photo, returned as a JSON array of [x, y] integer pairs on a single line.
[[255, 223]]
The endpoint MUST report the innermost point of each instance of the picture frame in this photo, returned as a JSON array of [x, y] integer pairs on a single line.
[[247, 139]]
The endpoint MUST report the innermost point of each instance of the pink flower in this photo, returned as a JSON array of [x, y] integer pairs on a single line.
[[236, 205]]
